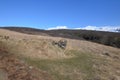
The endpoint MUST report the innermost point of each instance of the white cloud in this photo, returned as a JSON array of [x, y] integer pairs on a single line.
[[90, 28], [109, 28], [58, 27], [97, 28], [101, 28]]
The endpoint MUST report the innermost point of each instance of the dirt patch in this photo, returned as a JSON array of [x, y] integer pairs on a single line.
[[12, 68]]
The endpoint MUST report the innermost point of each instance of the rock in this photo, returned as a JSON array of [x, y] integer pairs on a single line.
[[62, 43]]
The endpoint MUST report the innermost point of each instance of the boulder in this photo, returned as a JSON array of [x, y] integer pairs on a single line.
[[61, 43]]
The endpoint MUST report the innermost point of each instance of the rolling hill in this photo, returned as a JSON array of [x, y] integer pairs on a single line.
[[106, 38], [29, 54]]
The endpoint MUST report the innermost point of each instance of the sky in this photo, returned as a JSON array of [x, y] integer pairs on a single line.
[[61, 14]]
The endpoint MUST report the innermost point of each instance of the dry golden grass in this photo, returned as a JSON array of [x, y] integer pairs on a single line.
[[39, 52], [41, 47]]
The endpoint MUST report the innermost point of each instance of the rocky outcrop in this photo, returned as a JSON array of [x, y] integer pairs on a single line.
[[61, 43]]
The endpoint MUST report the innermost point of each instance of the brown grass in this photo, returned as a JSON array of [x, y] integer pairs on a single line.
[[38, 51]]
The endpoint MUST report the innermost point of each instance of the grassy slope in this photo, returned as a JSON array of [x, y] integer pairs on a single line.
[[87, 59], [106, 38], [76, 68]]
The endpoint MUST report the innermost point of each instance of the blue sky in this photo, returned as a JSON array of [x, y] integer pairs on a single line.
[[49, 14]]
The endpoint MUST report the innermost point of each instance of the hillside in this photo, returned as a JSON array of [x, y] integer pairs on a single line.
[[106, 38], [11, 68], [79, 60]]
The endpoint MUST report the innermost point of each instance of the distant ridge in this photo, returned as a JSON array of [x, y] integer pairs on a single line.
[[106, 38]]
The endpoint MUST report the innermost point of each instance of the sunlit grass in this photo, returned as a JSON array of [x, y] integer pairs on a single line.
[[74, 68]]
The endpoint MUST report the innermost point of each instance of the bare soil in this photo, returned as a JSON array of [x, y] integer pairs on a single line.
[[12, 68]]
